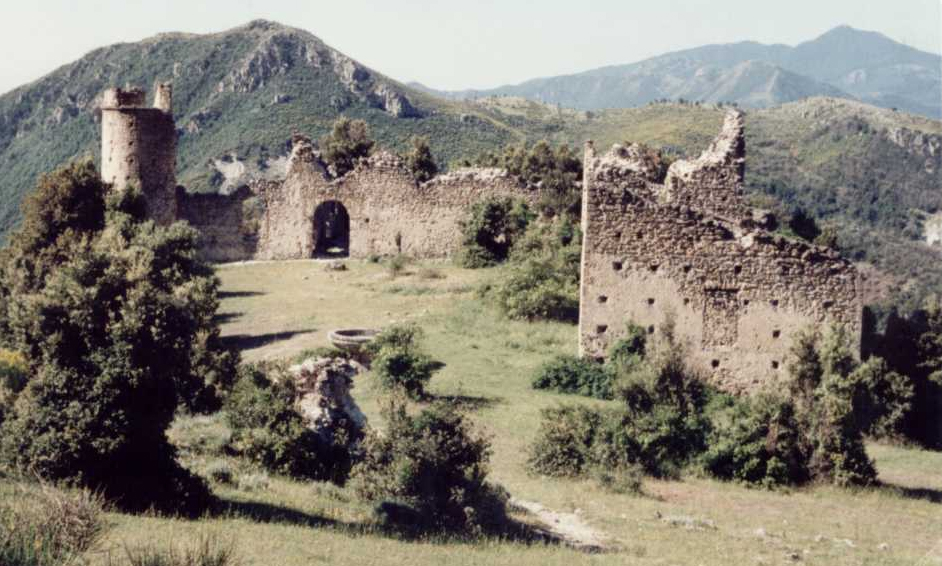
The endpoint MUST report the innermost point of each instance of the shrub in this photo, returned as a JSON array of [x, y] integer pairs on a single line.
[[398, 361], [628, 352], [622, 479], [348, 141], [757, 440], [574, 375], [208, 551], [824, 397], [220, 472], [430, 471], [419, 160], [491, 229], [563, 445], [537, 290], [117, 334], [397, 265], [13, 377], [269, 431], [45, 526]]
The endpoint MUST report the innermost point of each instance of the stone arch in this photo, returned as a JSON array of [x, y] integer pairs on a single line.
[[331, 229]]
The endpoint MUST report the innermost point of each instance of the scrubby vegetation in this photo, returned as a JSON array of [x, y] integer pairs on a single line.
[[348, 142], [399, 362], [267, 429], [489, 232], [419, 160], [557, 171], [428, 472], [542, 282], [668, 419], [114, 317], [44, 526]]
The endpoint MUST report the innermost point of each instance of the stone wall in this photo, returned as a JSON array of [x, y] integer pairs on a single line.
[[388, 211], [228, 224], [138, 147], [687, 249]]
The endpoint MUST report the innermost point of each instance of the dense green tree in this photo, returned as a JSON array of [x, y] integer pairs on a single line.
[[348, 141], [490, 231], [116, 333], [420, 160]]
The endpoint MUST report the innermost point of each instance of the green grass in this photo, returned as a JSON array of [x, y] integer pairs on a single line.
[[488, 365]]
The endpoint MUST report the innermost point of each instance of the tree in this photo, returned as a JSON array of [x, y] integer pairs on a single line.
[[420, 160], [115, 334], [490, 231], [348, 141]]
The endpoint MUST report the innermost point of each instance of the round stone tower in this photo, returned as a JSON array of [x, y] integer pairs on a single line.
[[139, 146]]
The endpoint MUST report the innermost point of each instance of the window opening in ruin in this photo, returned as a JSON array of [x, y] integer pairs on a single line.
[[603, 299], [774, 364], [640, 235], [737, 269], [715, 363], [827, 304], [651, 301], [774, 302], [776, 333], [651, 329], [653, 267], [687, 268], [686, 301], [600, 329], [616, 265], [331, 230]]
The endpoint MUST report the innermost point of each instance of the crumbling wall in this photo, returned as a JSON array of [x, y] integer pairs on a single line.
[[138, 147], [228, 224], [736, 294], [389, 212]]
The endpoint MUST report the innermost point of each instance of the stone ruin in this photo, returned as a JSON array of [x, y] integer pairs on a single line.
[[376, 209], [682, 244], [659, 242]]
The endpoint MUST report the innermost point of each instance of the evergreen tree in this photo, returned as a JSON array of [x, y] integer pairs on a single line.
[[348, 141], [420, 160]]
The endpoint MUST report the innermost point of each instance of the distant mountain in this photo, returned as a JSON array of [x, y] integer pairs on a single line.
[[844, 62]]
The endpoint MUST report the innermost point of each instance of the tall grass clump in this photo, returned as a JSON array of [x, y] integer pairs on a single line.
[[44, 526]]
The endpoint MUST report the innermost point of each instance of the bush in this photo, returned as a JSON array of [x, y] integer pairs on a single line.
[[825, 398], [627, 353], [398, 361], [269, 431], [220, 472], [660, 427], [536, 290], [622, 480], [117, 334], [429, 472], [491, 229], [419, 160], [348, 142], [13, 377], [563, 446], [44, 526], [574, 375], [757, 440], [397, 265]]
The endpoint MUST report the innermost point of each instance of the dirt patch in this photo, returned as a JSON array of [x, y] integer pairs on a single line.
[[568, 528]]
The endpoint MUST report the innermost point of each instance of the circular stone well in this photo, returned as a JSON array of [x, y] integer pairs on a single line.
[[351, 339]]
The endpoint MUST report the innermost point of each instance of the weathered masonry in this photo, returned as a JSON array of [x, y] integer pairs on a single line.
[[681, 243], [659, 243], [378, 208]]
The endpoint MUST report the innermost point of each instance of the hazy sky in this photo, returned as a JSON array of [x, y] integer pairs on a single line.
[[453, 44]]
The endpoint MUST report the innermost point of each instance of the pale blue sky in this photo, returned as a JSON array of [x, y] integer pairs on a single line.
[[457, 44]]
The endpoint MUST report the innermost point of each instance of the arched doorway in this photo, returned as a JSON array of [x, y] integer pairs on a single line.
[[331, 230]]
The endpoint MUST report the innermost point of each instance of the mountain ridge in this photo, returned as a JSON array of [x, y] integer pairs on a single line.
[[844, 62]]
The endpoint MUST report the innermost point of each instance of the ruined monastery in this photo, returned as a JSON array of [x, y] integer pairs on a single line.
[[660, 243]]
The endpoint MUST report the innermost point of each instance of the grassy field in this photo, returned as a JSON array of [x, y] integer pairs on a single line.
[[273, 310]]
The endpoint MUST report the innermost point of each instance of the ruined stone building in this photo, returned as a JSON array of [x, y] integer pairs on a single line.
[[378, 208], [659, 242], [681, 243]]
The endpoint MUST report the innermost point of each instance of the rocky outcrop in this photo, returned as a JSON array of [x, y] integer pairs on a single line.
[[281, 50], [323, 396]]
